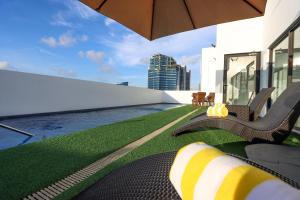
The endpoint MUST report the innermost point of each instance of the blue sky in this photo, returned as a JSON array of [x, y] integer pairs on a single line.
[[66, 38]]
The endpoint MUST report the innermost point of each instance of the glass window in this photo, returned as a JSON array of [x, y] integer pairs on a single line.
[[241, 76], [280, 68], [296, 56], [296, 61]]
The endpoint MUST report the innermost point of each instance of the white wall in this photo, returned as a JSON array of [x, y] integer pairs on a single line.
[[24, 93], [255, 34], [208, 69], [184, 97], [279, 15], [233, 37], [240, 36]]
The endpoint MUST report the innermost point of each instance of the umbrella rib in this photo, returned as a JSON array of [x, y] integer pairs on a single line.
[[251, 5], [188, 11], [152, 19], [100, 6]]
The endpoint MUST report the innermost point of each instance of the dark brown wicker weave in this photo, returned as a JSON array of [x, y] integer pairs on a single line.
[[274, 127], [147, 178], [252, 111]]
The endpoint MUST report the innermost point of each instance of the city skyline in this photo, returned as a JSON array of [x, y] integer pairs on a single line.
[[164, 73], [68, 39]]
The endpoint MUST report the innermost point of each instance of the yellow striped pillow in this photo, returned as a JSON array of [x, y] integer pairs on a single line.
[[203, 172]]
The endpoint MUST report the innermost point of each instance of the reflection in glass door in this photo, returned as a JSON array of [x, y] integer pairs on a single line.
[[296, 62], [241, 78], [286, 63], [280, 68]]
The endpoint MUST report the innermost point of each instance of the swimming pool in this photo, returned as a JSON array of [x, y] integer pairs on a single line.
[[60, 124]]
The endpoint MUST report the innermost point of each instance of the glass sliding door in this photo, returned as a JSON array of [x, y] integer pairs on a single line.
[[280, 68], [240, 78], [285, 61], [296, 62], [296, 56]]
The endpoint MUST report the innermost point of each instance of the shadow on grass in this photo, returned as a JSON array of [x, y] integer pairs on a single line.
[[237, 148]]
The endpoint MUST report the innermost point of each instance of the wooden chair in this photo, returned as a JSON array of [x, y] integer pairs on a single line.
[[210, 99], [201, 98], [195, 99]]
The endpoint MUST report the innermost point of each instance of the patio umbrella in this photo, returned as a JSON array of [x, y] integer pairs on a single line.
[[158, 18]]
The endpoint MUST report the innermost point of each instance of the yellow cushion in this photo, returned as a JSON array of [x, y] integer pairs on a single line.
[[201, 171], [218, 110]]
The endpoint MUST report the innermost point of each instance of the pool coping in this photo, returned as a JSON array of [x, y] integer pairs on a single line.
[[62, 185], [80, 110]]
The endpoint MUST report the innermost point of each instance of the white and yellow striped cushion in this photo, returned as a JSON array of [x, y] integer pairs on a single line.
[[203, 172], [218, 110]]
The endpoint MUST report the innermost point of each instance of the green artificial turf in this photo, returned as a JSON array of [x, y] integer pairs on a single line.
[[28, 168], [221, 139], [163, 143]]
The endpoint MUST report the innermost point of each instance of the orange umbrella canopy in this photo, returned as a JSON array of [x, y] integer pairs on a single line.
[[158, 18]]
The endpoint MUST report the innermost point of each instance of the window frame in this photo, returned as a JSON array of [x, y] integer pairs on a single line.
[[288, 33]]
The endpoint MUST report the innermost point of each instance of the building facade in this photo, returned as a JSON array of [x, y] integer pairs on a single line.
[[184, 78], [165, 74], [253, 54], [126, 83]]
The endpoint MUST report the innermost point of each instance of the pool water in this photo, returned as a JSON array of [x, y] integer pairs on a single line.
[[60, 124]]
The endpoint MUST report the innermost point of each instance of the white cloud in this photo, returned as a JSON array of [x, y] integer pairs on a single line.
[[59, 19], [190, 60], [81, 54], [79, 9], [109, 21], [84, 38], [61, 71], [44, 51], [50, 41], [133, 49], [73, 8], [106, 69], [97, 57], [112, 34], [64, 40], [4, 65], [94, 56]]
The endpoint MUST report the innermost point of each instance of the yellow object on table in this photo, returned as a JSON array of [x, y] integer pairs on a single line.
[[218, 110]]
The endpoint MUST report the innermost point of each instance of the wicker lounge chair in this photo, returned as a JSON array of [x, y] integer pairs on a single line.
[[147, 178], [251, 111], [274, 127]]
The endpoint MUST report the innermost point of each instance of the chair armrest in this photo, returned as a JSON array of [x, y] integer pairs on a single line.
[[240, 111]]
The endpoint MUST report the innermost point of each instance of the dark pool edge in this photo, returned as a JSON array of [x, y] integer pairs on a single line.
[[78, 111]]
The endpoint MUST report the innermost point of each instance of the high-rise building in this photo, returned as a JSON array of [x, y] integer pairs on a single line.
[[185, 78], [165, 74], [123, 83]]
